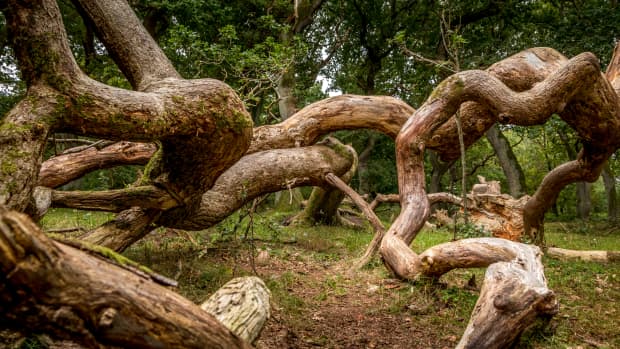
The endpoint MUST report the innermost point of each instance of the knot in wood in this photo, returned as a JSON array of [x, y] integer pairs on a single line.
[[66, 318], [504, 118], [107, 317]]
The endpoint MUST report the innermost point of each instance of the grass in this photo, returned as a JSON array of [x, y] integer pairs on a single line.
[[303, 276]]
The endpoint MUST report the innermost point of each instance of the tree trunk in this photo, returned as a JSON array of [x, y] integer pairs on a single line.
[[362, 168], [254, 175], [322, 206], [508, 161], [584, 203], [609, 180], [69, 294]]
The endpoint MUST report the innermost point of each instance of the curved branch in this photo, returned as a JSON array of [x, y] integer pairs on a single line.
[[529, 107], [64, 168], [254, 175], [582, 97], [345, 112]]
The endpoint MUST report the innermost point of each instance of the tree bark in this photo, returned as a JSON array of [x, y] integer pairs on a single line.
[[62, 169], [254, 175], [508, 161], [199, 119], [322, 206], [609, 181], [70, 294]]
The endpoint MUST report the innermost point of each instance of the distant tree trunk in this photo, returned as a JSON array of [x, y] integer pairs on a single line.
[[362, 168], [438, 169], [508, 161], [322, 206], [583, 204], [303, 16], [609, 180]]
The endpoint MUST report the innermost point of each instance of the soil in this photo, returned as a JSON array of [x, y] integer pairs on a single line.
[[356, 311]]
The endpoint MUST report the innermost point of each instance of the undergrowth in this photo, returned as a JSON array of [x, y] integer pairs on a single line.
[[306, 272]]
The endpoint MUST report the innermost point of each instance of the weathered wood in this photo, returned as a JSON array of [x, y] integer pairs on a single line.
[[345, 112], [59, 290], [590, 256], [242, 305], [514, 292]]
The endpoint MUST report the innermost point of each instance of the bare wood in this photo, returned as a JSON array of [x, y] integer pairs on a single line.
[[590, 256], [613, 69], [68, 294], [116, 200], [242, 305]]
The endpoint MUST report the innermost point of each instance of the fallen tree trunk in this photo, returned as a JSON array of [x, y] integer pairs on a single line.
[[588, 256], [69, 294]]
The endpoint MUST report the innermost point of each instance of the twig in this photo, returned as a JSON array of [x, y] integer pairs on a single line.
[[66, 230], [368, 212]]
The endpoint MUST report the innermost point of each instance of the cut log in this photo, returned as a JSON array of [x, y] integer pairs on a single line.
[[589, 256], [242, 305], [59, 290]]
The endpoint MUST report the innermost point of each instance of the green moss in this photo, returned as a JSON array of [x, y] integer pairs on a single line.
[[178, 99], [153, 167], [453, 84], [8, 167]]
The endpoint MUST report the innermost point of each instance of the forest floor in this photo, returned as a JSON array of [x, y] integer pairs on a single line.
[[318, 303]]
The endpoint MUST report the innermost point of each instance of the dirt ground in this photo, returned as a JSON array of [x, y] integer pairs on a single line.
[[345, 310]]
